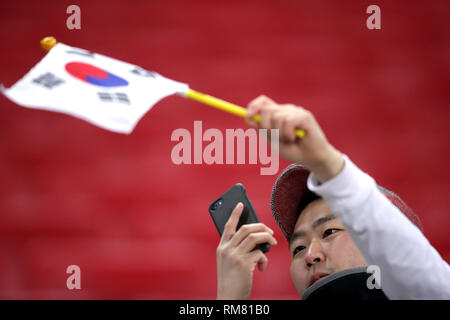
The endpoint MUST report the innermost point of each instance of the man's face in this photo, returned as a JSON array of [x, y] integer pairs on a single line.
[[320, 246]]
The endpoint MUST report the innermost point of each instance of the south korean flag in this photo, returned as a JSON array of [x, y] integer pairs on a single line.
[[109, 93]]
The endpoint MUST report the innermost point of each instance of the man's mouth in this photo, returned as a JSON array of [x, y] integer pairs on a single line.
[[316, 276]]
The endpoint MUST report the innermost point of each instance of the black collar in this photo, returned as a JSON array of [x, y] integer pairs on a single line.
[[349, 284]]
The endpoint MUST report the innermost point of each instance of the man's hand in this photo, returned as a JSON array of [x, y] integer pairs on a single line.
[[313, 151], [235, 259]]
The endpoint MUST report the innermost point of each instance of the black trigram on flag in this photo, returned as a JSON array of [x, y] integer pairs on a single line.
[[145, 73], [113, 97], [48, 80]]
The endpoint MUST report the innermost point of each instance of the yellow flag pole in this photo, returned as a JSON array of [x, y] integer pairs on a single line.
[[49, 42], [228, 107]]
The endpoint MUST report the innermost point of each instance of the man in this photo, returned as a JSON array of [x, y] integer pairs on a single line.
[[336, 220]]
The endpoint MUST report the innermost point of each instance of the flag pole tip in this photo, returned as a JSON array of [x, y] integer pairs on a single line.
[[47, 43]]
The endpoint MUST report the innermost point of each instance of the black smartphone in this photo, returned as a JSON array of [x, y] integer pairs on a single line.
[[221, 209]]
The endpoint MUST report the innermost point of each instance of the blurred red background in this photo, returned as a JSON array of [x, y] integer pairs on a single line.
[[138, 225]]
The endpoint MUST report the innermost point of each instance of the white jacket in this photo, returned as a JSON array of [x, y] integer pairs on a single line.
[[409, 265]]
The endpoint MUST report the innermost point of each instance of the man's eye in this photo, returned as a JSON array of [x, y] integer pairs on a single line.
[[329, 232], [298, 249]]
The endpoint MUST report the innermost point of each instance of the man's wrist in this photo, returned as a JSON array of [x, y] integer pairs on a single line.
[[330, 166]]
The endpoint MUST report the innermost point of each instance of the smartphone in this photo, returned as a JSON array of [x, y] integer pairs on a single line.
[[221, 209]]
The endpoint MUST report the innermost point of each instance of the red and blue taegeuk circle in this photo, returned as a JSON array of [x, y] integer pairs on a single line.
[[93, 75]]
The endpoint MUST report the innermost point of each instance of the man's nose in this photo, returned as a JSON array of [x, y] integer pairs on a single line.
[[315, 253]]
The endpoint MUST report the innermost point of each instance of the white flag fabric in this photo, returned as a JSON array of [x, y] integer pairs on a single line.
[[109, 93]]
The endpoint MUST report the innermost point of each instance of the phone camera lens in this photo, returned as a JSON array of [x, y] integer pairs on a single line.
[[216, 204]]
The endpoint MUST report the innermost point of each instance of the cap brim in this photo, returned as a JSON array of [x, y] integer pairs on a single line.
[[287, 194], [290, 195]]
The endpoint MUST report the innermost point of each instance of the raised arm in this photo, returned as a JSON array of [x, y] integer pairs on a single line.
[[410, 267]]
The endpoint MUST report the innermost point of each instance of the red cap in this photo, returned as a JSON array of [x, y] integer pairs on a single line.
[[290, 196]]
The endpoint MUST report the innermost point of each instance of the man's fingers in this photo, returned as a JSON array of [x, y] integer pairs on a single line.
[[262, 264], [248, 229], [266, 117], [252, 123], [279, 121], [258, 258], [288, 119], [230, 226], [256, 238], [255, 106], [287, 131]]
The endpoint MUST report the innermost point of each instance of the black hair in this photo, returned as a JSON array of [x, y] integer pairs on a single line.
[[307, 199]]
